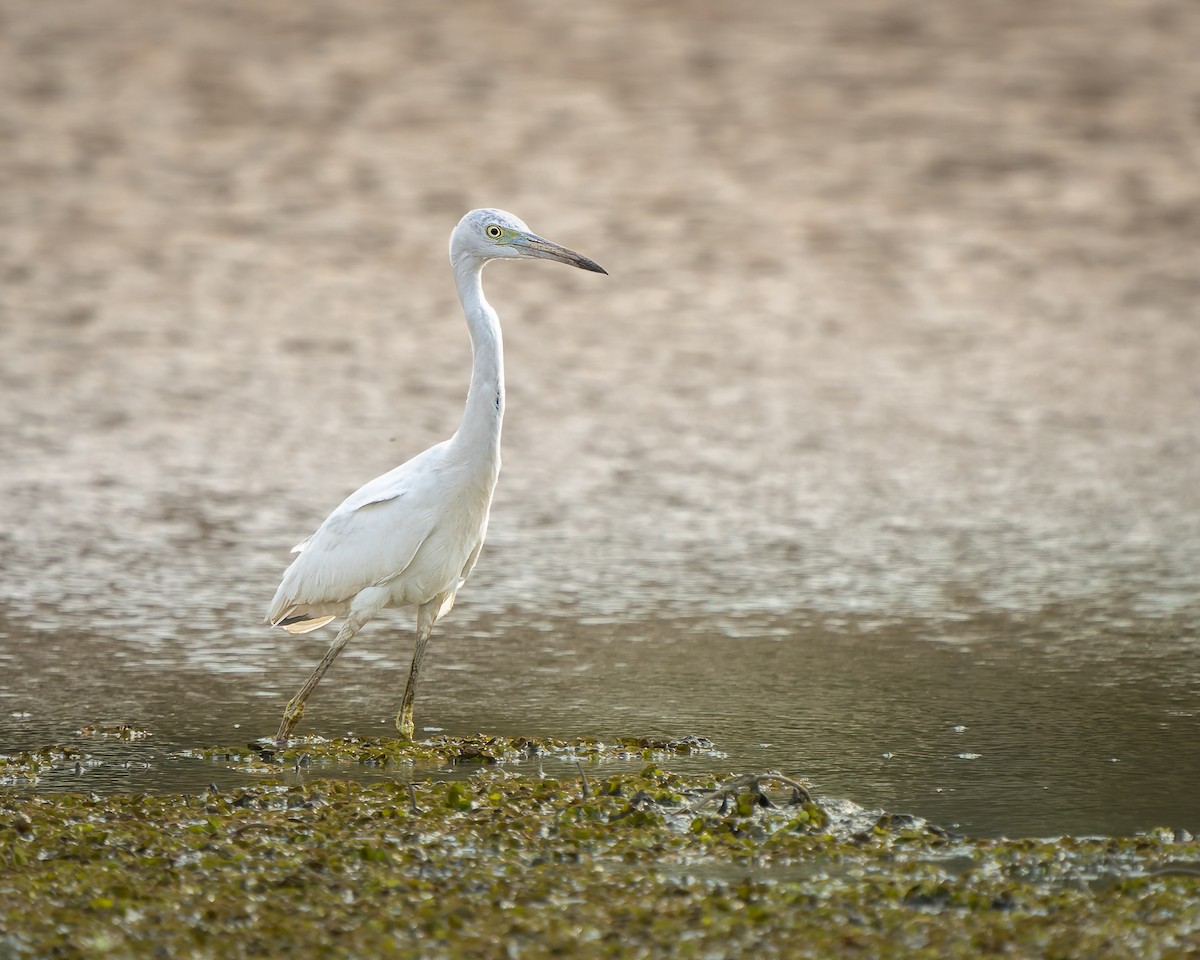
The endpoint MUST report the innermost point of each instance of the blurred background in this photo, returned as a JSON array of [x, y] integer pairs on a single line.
[[875, 459]]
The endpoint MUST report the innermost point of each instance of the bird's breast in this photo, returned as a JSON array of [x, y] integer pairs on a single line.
[[454, 540]]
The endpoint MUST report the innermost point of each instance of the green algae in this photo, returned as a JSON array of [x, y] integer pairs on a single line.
[[121, 731], [26, 765], [359, 756], [503, 864], [263, 757]]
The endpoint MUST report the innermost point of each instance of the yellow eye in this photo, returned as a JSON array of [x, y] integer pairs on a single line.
[[494, 232]]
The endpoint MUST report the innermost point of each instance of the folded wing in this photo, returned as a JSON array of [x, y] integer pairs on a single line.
[[370, 539]]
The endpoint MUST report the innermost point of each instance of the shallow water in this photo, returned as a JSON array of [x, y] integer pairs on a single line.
[[985, 727], [885, 423]]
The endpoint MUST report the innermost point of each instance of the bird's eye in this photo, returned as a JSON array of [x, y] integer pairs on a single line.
[[494, 232]]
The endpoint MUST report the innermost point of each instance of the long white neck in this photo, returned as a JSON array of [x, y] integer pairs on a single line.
[[479, 431]]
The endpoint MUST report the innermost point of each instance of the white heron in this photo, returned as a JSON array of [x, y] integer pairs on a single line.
[[412, 536]]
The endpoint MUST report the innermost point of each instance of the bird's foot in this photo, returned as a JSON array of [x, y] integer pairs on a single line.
[[404, 725], [291, 717]]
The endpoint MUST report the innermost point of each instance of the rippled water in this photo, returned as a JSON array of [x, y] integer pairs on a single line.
[[874, 460], [992, 726]]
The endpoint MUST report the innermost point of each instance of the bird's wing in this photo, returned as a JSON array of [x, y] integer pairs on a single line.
[[369, 539], [354, 548]]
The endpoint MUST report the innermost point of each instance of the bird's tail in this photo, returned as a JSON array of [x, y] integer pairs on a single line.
[[302, 622]]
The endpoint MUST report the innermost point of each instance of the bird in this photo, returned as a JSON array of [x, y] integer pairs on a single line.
[[411, 537]]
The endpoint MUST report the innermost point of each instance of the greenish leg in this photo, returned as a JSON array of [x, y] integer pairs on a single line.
[[295, 708], [426, 614]]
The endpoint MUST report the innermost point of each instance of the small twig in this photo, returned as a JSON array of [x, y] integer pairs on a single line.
[[1173, 871], [412, 798], [587, 790], [252, 825], [639, 801], [800, 793]]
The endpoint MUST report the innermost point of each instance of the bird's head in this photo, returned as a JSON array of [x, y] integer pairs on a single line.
[[487, 234]]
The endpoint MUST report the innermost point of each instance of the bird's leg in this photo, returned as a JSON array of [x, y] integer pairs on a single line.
[[295, 708], [426, 614]]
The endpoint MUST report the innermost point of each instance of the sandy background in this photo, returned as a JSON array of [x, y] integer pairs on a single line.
[[902, 319]]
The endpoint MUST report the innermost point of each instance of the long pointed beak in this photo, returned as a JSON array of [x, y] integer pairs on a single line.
[[535, 246]]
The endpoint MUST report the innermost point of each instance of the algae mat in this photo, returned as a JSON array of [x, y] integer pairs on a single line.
[[504, 864]]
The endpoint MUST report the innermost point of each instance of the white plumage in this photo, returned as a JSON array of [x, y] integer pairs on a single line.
[[412, 536], [415, 532]]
